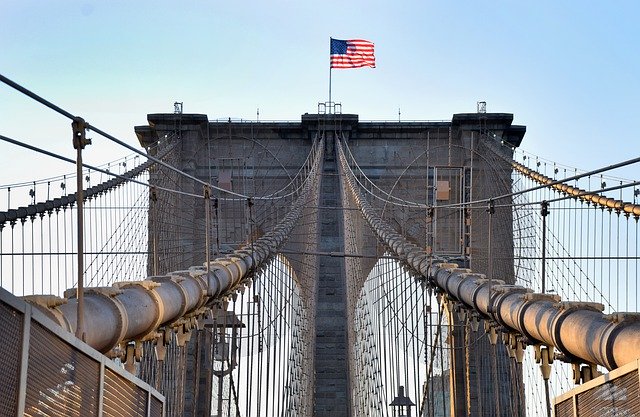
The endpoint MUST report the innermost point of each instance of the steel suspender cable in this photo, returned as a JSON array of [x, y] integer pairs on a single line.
[[110, 137], [104, 171]]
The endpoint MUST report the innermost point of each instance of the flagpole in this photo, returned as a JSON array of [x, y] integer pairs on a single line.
[[330, 39]]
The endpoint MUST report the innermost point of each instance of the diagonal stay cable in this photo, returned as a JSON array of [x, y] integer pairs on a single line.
[[70, 116], [126, 177], [562, 185]]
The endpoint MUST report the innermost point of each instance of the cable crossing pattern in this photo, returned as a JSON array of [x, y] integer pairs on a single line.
[[322, 267]]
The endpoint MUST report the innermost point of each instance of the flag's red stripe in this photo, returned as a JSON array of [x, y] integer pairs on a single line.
[[356, 64], [360, 53], [353, 61], [360, 42], [336, 61]]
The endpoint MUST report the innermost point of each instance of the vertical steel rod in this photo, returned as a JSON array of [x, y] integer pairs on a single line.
[[24, 361], [79, 142], [153, 200], [544, 210], [207, 229], [330, 73], [80, 230], [547, 397], [491, 210]]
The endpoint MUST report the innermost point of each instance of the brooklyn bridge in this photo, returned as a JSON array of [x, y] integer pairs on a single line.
[[326, 266]]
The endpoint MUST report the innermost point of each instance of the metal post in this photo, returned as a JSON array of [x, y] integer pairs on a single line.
[[330, 73], [153, 200], [215, 209], [470, 198], [544, 210], [101, 389], [220, 382], [431, 230], [207, 216], [79, 142], [24, 360], [544, 356], [491, 209]]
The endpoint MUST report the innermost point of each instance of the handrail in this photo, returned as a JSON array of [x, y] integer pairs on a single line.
[[31, 210], [584, 195]]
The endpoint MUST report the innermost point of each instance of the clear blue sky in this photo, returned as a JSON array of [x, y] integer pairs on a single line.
[[567, 70]]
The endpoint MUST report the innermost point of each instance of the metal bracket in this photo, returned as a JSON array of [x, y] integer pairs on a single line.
[[46, 301], [129, 359], [580, 305], [146, 284], [183, 336], [544, 356], [160, 347], [584, 372], [106, 291], [623, 317], [79, 127], [535, 296]]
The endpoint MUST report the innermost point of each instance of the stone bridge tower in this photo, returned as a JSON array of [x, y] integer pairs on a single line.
[[437, 163]]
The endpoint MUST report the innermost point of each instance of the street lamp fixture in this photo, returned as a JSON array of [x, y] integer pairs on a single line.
[[401, 404]]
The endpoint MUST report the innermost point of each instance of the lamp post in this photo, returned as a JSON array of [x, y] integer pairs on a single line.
[[401, 404], [223, 351]]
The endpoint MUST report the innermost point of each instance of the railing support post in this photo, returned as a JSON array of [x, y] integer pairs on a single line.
[[207, 228], [153, 202], [544, 211], [79, 142], [491, 209]]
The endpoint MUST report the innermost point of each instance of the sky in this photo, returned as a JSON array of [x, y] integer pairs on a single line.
[[568, 70]]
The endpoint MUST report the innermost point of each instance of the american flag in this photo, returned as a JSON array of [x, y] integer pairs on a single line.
[[352, 53]]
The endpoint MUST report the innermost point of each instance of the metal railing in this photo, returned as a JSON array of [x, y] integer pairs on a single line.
[[48, 372]]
